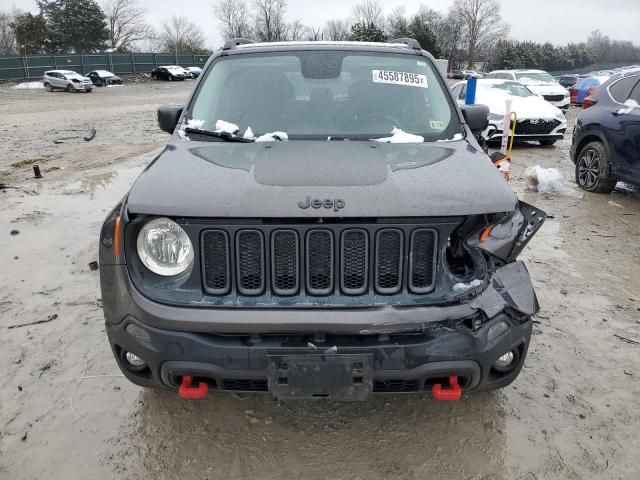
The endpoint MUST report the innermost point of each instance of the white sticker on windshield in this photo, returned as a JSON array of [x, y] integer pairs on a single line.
[[400, 78]]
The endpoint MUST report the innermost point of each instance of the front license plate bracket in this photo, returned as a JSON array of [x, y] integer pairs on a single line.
[[321, 376]]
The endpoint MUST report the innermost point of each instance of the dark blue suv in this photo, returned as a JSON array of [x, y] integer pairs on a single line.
[[606, 138]]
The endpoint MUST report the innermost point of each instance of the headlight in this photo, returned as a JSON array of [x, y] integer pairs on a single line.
[[165, 248], [560, 116]]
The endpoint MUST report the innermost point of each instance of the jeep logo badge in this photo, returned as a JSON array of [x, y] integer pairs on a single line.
[[336, 204]]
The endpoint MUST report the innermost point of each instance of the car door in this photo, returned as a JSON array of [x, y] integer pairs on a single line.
[[59, 80], [630, 134]]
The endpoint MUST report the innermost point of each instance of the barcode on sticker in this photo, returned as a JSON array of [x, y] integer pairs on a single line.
[[400, 78]]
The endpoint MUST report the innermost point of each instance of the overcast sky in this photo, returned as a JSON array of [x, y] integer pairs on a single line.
[[557, 21]]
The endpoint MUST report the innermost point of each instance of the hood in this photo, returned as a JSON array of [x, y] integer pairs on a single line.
[[547, 89], [525, 107], [319, 179], [77, 77]]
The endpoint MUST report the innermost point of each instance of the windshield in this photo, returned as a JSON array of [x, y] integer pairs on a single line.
[[512, 88], [534, 77], [320, 94]]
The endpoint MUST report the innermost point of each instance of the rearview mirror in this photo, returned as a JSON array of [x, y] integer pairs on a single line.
[[476, 116], [168, 116]]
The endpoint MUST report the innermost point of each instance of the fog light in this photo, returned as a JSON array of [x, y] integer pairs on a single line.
[[505, 361], [134, 360], [496, 330]]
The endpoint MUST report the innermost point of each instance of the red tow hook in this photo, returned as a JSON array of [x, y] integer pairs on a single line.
[[193, 393], [453, 392]]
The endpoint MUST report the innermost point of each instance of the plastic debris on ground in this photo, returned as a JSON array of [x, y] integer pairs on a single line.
[[400, 136], [550, 181]]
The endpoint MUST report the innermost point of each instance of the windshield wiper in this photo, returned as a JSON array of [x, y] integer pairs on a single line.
[[226, 136]]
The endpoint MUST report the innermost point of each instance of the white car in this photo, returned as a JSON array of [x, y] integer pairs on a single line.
[[537, 119], [66, 80], [539, 82]]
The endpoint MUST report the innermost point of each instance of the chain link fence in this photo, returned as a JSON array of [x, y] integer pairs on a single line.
[[16, 67]]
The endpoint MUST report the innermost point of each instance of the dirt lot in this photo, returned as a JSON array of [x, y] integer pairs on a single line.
[[66, 412]]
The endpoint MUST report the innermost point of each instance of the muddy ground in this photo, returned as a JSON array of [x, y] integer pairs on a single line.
[[66, 412]]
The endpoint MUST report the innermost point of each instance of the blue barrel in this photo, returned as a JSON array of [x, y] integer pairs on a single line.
[[470, 99]]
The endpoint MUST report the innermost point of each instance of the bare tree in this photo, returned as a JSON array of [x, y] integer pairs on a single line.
[[482, 25], [337, 30], [234, 17], [126, 23], [314, 34], [269, 20], [180, 35], [8, 33], [296, 31], [369, 12]]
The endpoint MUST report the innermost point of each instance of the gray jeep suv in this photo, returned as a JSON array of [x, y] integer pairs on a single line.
[[322, 224]]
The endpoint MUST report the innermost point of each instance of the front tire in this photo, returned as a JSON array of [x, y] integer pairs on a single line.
[[71, 88], [593, 169], [548, 142], [171, 78]]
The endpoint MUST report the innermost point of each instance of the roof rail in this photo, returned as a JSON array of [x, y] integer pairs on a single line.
[[230, 44], [411, 42]]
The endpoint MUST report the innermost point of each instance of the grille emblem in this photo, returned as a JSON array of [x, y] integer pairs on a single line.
[[336, 204]]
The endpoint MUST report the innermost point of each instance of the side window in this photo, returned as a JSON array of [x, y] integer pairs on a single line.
[[463, 92], [621, 90], [635, 94]]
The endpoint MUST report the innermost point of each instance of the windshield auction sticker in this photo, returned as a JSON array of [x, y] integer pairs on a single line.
[[400, 78]]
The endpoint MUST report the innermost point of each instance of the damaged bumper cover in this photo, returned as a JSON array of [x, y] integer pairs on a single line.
[[409, 348]]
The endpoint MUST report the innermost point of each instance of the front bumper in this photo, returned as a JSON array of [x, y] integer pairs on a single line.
[[494, 133], [411, 348]]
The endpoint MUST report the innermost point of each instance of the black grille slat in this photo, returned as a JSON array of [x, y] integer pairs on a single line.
[[216, 261], [355, 262], [250, 260], [422, 261], [244, 385], [396, 386], [536, 127], [388, 276], [285, 259], [320, 263]]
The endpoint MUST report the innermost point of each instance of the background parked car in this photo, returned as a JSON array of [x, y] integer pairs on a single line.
[[586, 87], [467, 74], [539, 82], [606, 140], [170, 73], [569, 80], [102, 78], [456, 75], [66, 80], [537, 119], [195, 72]]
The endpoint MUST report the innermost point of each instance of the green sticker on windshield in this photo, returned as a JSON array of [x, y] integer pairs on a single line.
[[437, 124]]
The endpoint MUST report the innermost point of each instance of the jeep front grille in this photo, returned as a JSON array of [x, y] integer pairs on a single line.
[[318, 261]]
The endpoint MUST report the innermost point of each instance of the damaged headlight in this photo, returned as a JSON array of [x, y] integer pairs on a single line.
[[165, 248], [507, 237]]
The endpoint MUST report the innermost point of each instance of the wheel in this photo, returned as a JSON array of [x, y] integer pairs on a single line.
[[593, 170], [89, 91], [71, 88], [153, 76], [547, 142], [48, 87], [171, 78]]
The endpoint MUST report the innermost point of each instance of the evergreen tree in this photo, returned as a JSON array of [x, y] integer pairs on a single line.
[[75, 25], [361, 32], [31, 33]]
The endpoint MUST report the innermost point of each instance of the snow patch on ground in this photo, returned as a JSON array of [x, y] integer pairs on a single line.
[[29, 86], [113, 86], [400, 136]]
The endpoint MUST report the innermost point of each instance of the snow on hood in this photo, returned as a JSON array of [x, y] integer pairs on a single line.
[[400, 136], [525, 107], [548, 89], [536, 81], [76, 76]]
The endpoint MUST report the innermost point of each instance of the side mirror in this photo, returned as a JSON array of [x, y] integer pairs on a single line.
[[476, 116], [168, 116]]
